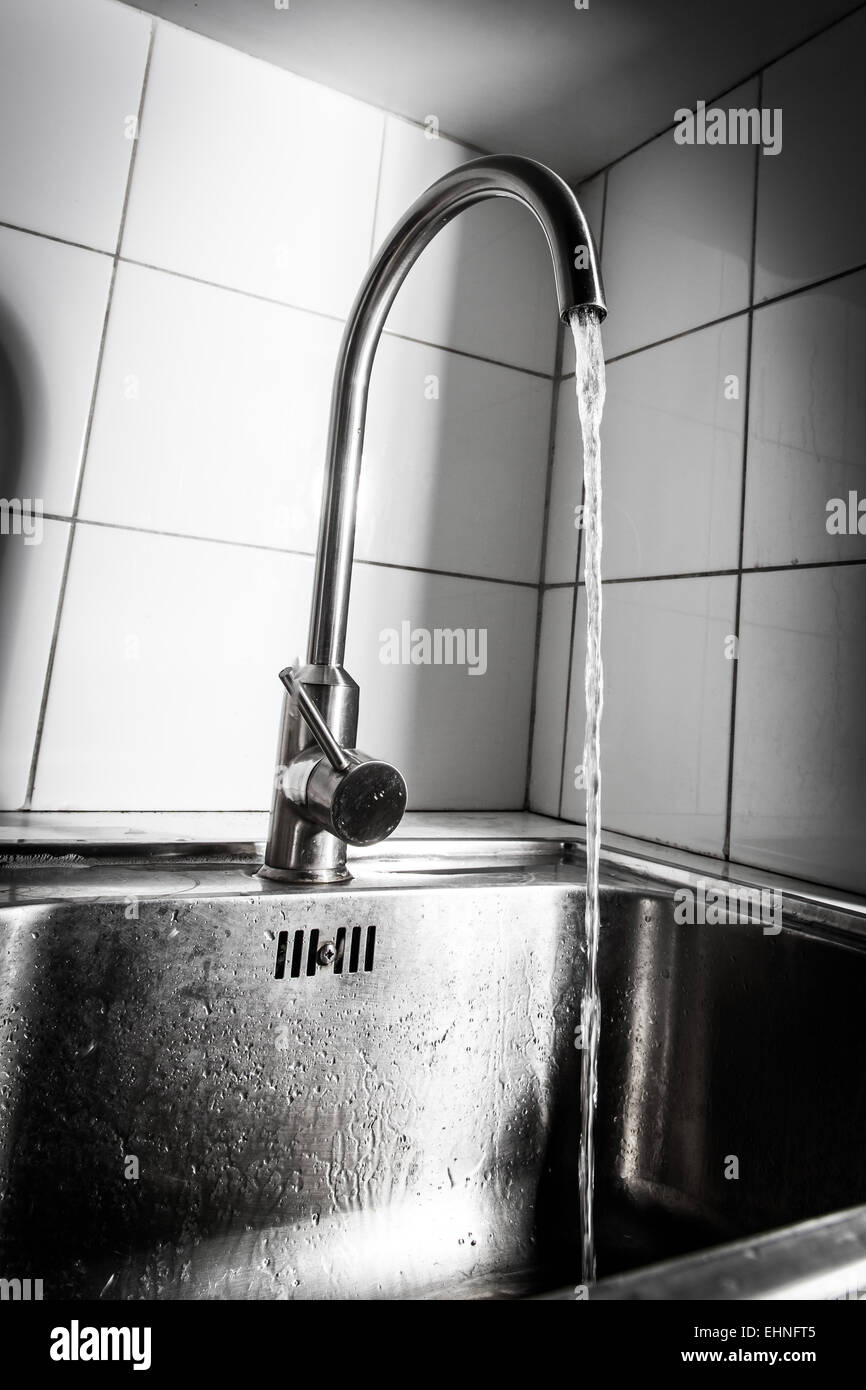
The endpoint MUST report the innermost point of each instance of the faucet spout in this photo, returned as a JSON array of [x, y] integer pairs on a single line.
[[307, 838], [578, 285]]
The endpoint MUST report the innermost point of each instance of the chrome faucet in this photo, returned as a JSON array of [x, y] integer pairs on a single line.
[[327, 794]]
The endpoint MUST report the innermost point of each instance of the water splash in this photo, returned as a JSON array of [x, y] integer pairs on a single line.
[[585, 327]]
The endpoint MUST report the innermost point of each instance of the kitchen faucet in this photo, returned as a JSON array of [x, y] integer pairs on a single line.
[[327, 794]]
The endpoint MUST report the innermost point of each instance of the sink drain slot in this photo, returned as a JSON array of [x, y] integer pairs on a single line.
[[310, 956]]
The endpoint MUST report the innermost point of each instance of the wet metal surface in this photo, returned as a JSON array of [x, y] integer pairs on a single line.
[[215, 1089]]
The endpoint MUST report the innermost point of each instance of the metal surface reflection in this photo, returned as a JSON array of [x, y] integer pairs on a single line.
[[403, 1121]]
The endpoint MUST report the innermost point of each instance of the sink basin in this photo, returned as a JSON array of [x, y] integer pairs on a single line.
[[214, 1088]]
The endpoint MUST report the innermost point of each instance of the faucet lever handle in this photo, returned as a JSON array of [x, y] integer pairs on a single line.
[[318, 728]]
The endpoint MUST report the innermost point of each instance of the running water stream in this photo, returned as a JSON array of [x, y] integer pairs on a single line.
[[589, 377]]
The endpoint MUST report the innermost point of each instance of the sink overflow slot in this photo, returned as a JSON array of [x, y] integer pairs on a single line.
[[318, 957]]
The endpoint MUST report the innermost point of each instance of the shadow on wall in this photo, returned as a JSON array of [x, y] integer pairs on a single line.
[[22, 399], [16, 381]]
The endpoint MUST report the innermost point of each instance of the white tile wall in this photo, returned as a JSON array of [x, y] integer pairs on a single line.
[[676, 254], [677, 236], [667, 705], [591, 198], [270, 179], [500, 300], [550, 700], [673, 455], [672, 440], [212, 413], [454, 481], [460, 740], [566, 490], [249, 225], [165, 692], [812, 197], [52, 310], [29, 589], [807, 425], [800, 756], [70, 82]]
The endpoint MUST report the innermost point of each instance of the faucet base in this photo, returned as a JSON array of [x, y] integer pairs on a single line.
[[299, 851], [320, 876]]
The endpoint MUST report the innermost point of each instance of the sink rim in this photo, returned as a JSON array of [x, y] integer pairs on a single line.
[[808, 1260], [409, 863]]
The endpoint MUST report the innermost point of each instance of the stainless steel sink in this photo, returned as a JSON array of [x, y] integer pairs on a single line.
[[211, 1087]]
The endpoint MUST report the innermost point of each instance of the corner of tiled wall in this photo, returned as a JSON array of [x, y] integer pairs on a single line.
[[182, 230], [735, 348]]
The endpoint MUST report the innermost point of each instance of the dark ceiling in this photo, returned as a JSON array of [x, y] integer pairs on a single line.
[[575, 88]]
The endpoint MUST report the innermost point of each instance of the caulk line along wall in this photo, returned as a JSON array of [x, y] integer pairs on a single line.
[[734, 465]]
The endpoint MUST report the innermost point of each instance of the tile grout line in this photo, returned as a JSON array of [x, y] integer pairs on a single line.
[[675, 337], [793, 567], [381, 166], [667, 577], [768, 303], [807, 288], [290, 551], [60, 240], [331, 318], [732, 87], [385, 111], [85, 444], [545, 535], [567, 711], [278, 303], [747, 400], [464, 352]]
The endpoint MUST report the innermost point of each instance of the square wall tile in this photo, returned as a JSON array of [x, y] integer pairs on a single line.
[[590, 195], [30, 575], [667, 710], [807, 427], [485, 283], [672, 458], [165, 693], [460, 738], [455, 464], [251, 177], [800, 743], [548, 733], [672, 455], [566, 489], [52, 310], [677, 236], [70, 87], [212, 413], [812, 195]]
